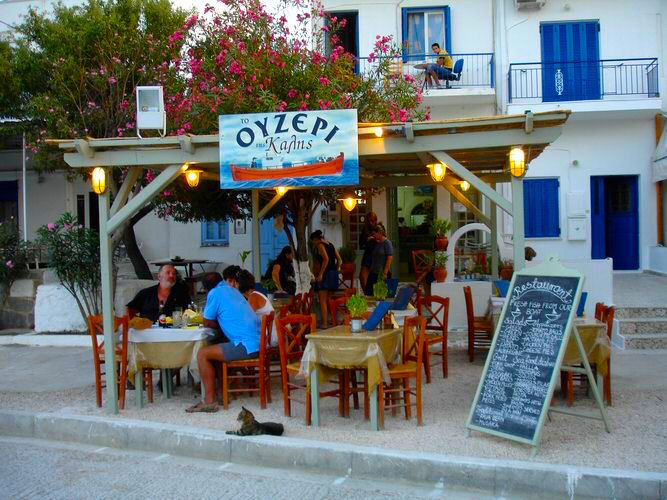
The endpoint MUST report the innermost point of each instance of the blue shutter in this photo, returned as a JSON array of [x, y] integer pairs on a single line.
[[541, 208], [214, 233]]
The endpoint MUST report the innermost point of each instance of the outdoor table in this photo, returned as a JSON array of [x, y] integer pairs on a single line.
[[185, 263], [338, 348], [164, 349], [279, 303]]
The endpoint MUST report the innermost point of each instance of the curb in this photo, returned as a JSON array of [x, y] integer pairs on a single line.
[[498, 477], [48, 340]]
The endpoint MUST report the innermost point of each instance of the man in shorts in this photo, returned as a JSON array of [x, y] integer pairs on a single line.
[[229, 311]]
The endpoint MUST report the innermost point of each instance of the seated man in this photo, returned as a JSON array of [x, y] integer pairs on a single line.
[[162, 298], [227, 309], [441, 69]]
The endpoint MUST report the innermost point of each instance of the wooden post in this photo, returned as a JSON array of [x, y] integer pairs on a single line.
[[658, 187], [111, 405], [256, 221], [494, 238], [518, 238]]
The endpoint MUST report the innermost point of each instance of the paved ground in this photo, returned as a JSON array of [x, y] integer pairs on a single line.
[[32, 468], [640, 290]]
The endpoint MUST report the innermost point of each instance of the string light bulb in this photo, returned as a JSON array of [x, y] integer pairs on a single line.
[[378, 131], [98, 180], [438, 171], [349, 203], [465, 185], [517, 162], [192, 177], [281, 190]]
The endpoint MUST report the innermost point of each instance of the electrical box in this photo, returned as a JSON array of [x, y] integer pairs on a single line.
[[150, 110], [329, 216], [576, 228], [576, 204]]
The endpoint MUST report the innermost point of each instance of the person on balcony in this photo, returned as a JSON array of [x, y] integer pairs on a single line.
[[441, 69]]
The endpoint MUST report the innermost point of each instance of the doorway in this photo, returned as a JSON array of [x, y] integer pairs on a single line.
[[415, 210], [615, 220], [272, 240], [348, 36]]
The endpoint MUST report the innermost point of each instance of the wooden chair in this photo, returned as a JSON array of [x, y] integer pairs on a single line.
[[292, 331], [95, 327], [480, 329], [337, 306], [422, 262], [435, 310], [307, 300], [605, 314], [398, 395], [250, 370]]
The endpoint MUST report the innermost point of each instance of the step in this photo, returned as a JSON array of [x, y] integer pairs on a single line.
[[631, 326], [647, 341], [641, 312]]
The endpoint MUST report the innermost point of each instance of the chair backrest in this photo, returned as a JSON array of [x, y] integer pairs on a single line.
[[402, 298], [435, 310], [294, 306], [422, 261], [96, 326], [292, 331], [414, 332], [307, 302], [502, 286], [470, 309], [605, 314], [458, 66], [337, 306], [392, 285]]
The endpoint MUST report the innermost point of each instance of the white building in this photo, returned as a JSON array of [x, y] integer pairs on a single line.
[[590, 195]]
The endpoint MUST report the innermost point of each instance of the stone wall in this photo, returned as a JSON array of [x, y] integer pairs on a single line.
[[18, 309]]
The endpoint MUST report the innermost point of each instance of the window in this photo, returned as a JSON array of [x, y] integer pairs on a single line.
[[214, 233], [541, 208], [422, 27]]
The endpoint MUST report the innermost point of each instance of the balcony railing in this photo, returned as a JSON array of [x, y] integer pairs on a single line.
[[583, 80], [478, 69]]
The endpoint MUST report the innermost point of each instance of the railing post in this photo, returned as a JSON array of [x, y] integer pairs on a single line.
[[509, 84], [493, 71]]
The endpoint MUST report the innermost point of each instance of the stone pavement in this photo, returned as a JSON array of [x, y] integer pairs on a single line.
[[640, 290]]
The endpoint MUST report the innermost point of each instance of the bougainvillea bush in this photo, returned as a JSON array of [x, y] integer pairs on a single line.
[[13, 256]]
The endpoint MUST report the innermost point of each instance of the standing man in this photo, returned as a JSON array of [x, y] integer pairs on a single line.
[[381, 259], [229, 311]]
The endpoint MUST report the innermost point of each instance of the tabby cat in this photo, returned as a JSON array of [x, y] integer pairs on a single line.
[[251, 427]]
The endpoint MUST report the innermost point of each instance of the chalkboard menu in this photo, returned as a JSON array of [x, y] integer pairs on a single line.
[[528, 346]]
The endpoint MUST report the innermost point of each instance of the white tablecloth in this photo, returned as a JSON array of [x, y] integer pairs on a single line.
[[157, 334]]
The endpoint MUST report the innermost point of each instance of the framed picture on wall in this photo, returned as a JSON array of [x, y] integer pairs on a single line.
[[424, 190]]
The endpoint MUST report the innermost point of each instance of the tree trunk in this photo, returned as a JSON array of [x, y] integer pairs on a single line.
[[300, 229], [140, 265]]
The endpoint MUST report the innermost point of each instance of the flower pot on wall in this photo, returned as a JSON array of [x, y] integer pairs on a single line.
[[348, 269], [506, 273], [440, 274], [441, 243]]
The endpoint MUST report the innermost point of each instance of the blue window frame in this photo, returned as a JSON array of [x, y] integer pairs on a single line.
[[214, 233], [421, 26], [541, 208]]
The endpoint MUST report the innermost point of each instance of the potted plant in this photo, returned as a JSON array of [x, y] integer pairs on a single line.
[[349, 255], [244, 255], [439, 265], [356, 306], [506, 269], [441, 228], [380, 289]]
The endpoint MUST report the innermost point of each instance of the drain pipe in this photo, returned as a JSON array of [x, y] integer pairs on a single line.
[[25, 208]]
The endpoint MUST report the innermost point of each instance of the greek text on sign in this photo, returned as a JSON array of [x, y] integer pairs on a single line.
[[307, 148]]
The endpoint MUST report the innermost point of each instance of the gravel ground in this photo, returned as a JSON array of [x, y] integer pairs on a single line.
[[638, 439]]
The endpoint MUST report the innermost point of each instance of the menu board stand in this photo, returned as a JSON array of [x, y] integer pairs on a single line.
[[516, 388]]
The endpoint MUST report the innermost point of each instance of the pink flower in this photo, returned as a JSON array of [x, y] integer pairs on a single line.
[[175, 37], [291, 94], [324, 81], [125, 104], [190, 22], [371, 57], [235, 68], [50, 226], [282, 106], [9, 264], [112, 80], [403, 115], [166, 193]]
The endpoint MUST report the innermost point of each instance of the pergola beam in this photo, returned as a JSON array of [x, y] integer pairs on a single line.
[[451, 187], [268, 206], [165, 178], [474, 181], [125, 189]]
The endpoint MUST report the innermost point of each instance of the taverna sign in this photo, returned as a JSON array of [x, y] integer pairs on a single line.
[[303, 148]]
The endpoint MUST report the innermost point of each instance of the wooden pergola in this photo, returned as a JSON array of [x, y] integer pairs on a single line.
[[475, 150]]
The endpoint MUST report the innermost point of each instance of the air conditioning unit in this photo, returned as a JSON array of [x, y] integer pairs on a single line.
[[529, 4]]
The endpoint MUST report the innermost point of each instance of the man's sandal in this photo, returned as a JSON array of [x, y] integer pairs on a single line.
[[202, 407]]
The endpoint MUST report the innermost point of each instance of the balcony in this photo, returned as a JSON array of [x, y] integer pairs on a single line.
[[477, 77], [620, 85]]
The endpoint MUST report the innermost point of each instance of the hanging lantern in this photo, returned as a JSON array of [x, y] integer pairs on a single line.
[[192, 177], [98, 180], [465, 185], [281, 190], [517, 162], [437, 170], [378, 131], [350, 203]]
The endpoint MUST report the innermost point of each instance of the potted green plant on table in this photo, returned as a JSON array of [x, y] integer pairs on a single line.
[[441, 228], [506, 269], [349, 255], [356, 306], [439, 266], [380, 289]]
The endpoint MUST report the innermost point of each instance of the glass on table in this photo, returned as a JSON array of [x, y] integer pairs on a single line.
[[177, 317]]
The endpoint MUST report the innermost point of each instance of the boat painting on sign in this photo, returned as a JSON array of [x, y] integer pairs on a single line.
[[304, 148]]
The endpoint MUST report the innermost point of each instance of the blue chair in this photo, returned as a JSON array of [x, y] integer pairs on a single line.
[[377, 315], [455, 74], [392, 285], [261, 289], [502, 286], [582, 304], [402, 298]]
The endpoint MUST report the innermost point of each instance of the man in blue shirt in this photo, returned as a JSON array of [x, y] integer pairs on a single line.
[[227, 310]]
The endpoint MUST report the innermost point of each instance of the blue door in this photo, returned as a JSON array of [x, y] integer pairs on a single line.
[[615, 220], [272, 242], [570, 61]]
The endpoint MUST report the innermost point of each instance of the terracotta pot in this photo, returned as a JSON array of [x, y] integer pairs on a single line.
[[440, 274], [506, 273], [441, 243], [348, 269]]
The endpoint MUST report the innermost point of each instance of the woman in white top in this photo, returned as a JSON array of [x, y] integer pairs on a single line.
[[258, 301]]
